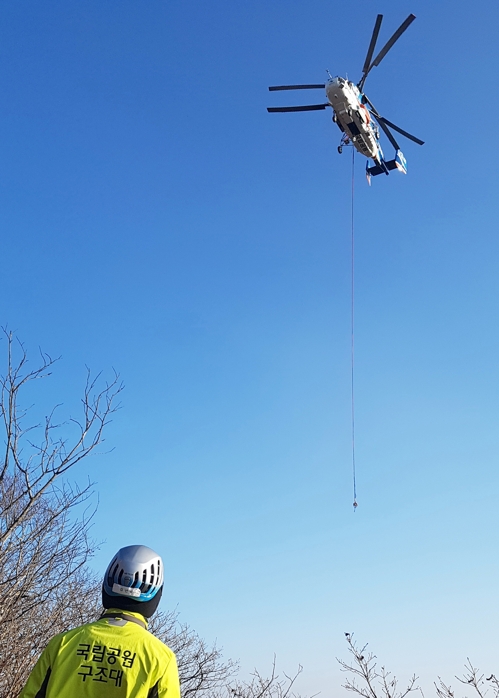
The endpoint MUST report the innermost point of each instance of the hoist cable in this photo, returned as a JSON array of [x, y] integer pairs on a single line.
[[353, 331]]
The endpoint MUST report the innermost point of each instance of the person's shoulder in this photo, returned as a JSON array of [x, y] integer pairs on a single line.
[[159, 647], [67, 635], [60, 639]]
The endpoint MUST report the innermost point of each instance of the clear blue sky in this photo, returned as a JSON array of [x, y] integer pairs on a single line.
[[157, 220]]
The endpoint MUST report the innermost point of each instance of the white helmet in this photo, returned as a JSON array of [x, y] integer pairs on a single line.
[[135, 572]]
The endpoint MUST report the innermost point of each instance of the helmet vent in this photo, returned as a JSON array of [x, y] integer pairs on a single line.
[[132, 569], [112, 572]]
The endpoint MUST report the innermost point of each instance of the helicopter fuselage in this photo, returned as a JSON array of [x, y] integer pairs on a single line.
[[353, 118]]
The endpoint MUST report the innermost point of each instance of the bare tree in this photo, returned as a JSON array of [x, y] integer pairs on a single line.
[[44, 538], [368, 681], [472, 678], [260, 686]]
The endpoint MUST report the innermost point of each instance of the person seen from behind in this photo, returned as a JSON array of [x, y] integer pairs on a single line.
[[115, 656]]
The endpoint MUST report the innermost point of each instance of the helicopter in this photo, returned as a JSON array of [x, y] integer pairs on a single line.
[[355, 114]]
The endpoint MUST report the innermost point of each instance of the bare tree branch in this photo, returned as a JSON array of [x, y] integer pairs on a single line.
[[472, 678], [260, 686], [367, 681]]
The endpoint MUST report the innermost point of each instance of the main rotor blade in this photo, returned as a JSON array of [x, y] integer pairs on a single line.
[[308, 107], [372, 45], [384, 123], [275, 88], [382, 120], [391, 41], [388, 133]]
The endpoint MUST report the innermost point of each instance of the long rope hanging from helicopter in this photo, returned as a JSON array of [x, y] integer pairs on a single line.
[[352, 327], [360, 124]]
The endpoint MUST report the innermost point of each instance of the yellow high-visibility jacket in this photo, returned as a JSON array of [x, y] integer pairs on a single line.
[[112, 657]]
